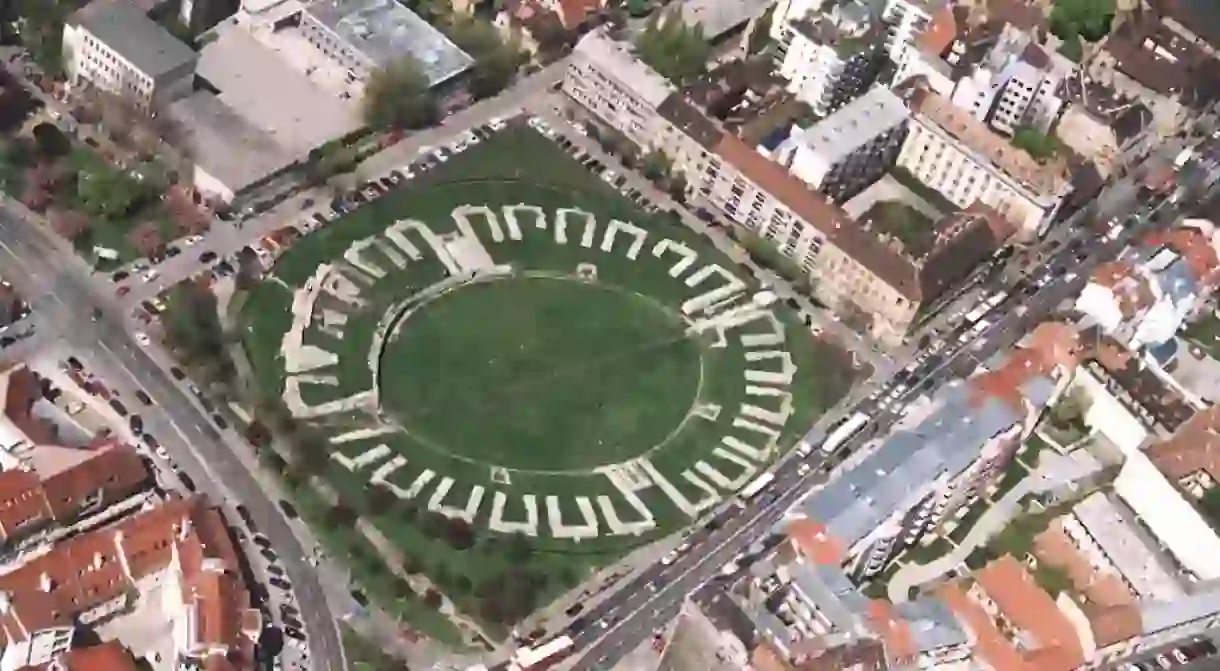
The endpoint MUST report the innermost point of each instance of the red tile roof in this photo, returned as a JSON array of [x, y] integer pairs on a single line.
[[27, 503], [891, 266], [102, 566], [1028, 608], [811, 539], [572, 13], [109, 656]]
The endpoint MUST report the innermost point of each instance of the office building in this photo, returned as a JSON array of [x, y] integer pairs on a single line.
[[847, 151]]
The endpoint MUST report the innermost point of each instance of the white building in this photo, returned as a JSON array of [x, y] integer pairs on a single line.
[[1015, 85], [905, 19], [951, 151], [365, 35], [115, 47], [831, 59], [611, 83], [850, 149]]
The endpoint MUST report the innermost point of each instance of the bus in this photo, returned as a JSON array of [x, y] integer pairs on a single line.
[[541, 656], [844, 432], [754, 488]]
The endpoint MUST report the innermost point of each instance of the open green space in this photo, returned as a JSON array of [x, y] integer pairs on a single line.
[[545, 373], [575, 375]]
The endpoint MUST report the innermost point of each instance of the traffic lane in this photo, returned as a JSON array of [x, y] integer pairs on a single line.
[[221, 465]]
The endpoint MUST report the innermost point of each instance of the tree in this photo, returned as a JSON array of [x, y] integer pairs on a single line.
[[511, 596], [433, 599], [675, 50], [51, 142], [496, 61], [257, 433], [340, 516], [1038, 145], [146, 239], [403, 589], [381, 499], [397, 96], [656, 166], [639, 8], [459, 534], [855, 317], [1086, 19], [192, 323]]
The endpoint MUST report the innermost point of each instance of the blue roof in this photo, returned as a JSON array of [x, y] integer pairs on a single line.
[[1177, 282], [946, 441]]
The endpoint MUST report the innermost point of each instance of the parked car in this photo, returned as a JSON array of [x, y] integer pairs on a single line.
[[118, 407], [187, 482], [177, 373], [137, 424], [144, 397], [289, 510], [207, 257]]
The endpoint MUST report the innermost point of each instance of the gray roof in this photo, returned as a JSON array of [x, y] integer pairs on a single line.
[[137, 38], [225, 144], [854, 125], [1135, 561], [616, 60], [385, 31], [1161, 615], [859, 499], [720, 16], [931, 623]]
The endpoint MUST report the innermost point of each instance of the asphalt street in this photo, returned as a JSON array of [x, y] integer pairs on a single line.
[[626, 619], [55, 279]]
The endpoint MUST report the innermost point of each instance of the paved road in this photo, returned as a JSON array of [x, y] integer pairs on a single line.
[[55, 280], [225, 238], [635, 611]]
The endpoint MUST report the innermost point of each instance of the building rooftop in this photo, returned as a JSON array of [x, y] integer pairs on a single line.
[[721, 16], [616, 58], [821, 30], [1175, 523], [854, 125], [889, 265], [1043, 631], [226, 145], [1193, 448], [1110, 529], [385, 31], [137, 38], [1048, 180], [1152, 54]]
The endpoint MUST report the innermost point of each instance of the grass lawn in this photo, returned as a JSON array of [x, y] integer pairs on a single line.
[[967, 521], [546, 377], [568, 364], [364, 655], [112, 232]]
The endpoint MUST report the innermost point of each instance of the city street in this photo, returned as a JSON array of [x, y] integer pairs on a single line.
[[56, 281]]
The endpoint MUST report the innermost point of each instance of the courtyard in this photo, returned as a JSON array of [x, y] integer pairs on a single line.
[[522, 376]]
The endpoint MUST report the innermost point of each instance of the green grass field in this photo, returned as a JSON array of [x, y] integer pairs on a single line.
[[573, 375], [543, 376]]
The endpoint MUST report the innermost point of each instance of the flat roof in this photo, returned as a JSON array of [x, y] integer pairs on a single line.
[[854, 125], [720, 16], [271, 94], [225, 144], [1174, 521], [137, 38], [385, 32], [616, 59], [1137, 563]]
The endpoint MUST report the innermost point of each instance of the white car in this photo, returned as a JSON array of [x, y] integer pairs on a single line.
[[194, 239], [669, 558], [151, 275], [497, 123], [802, 469], [160, 452], [142, 338]]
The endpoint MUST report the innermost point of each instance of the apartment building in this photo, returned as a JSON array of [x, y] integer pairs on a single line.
[[904, 20], [1017, 625], [920, 476], [809, 615], [117, 48], [181, 547], [614, 86], [1016, 85], [833, 58], [852, 267], [951, 151], [847, 151], [1144, 297], [365, 35]]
